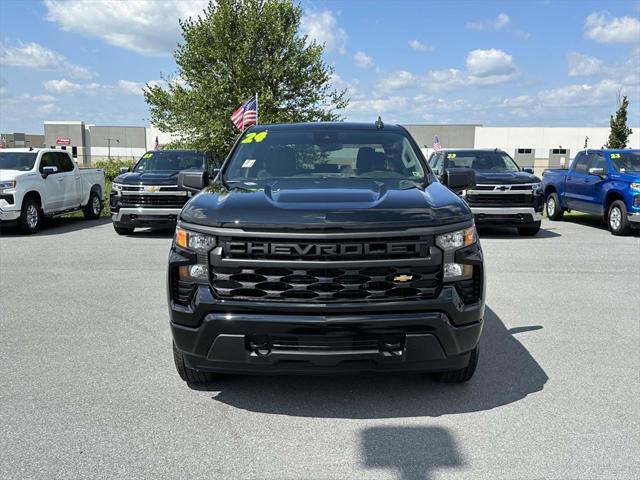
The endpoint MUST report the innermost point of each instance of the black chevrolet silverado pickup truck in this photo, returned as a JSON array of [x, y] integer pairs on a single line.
[[324, 248], [149, 196], [505, 195]]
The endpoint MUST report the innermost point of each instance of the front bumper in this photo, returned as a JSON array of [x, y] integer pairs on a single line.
[[517, 216], [145, 216], [634, 218], [216, 335], [7, 215]]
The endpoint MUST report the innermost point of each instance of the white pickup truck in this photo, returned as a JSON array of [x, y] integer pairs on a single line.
[[45, 182]]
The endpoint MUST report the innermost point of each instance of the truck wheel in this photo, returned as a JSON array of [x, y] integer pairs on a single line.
[[93, 208], [617, 218], [462, 375], [123, 230], [554, 210], [30, 216], [529, 231], [187, 374]]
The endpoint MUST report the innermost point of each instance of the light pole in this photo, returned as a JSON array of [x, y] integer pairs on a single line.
[[109, 145]]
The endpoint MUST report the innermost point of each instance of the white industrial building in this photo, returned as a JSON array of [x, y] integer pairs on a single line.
[[533, 147]]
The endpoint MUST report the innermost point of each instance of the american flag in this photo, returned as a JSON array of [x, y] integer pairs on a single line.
[[157, 145], [436, 144], [246, 114]]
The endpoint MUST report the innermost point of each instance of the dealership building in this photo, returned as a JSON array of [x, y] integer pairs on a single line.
[[533, 147]]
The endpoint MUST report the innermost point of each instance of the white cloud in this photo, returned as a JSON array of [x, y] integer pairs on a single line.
[[501, 21], [419, 46], [148, 27], [601, 93], [34, 55], [398, 80], [602, 28], [322, 27], [487, 63], [363, 60], [67, 87], [581, 65]]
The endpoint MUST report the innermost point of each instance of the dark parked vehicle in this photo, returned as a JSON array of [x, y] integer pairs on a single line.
[[149, 196], [600, 182], [322, 248], [505, 194]]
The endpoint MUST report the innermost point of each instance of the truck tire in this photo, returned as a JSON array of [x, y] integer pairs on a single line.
[[187, 374], [462, 375], [617, 219], [93, 208], [530, 231], [554, 210], [123, 230], [30, 216]]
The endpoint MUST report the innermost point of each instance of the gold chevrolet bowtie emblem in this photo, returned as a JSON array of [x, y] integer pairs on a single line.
[[402, 278], [152, 189]]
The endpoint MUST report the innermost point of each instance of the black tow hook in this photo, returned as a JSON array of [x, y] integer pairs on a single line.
[[394, 348], [260, 348]]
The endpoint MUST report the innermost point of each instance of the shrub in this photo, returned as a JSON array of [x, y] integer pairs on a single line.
[[112, 167]]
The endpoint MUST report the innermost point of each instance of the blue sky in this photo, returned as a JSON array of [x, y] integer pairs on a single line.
[[543, 63]]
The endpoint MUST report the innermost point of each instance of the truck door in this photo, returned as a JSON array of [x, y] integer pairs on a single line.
[[53, 196], [594, 184], [575, 188], [70, 184]]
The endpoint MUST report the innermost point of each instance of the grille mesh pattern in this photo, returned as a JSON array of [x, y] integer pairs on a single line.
[[326, 285], [509, 199], [154, 200], [316, 343]]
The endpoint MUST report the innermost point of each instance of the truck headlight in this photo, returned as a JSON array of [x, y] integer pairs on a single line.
[[116, 187], [635, 186], [199, 242], [457, 239], [536, 187], [8, 184]]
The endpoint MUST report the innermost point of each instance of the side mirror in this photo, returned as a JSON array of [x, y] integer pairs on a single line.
[[528, 170], [193, 180], [597, 171], [460, 178], [124, 169], [46, 171]]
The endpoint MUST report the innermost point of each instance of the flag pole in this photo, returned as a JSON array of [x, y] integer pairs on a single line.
[[257, 113]]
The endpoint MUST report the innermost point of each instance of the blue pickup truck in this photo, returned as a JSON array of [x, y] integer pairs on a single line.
[[601, 182]]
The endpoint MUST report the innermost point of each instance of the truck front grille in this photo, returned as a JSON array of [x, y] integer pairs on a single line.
[[327, 285], [167, 201], [500, 200]]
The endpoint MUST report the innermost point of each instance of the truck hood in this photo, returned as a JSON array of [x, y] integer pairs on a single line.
[[630, 177], [148, 178], [12, 174], [505, 178], [312, 204]]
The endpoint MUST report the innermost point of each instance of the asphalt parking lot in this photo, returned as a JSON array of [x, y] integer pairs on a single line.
[[88, 388]]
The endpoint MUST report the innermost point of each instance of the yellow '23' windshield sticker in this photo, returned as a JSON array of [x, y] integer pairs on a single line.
[[615, 155]]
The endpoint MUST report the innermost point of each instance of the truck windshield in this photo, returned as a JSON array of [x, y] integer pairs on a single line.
[[482, 161], [170, 161], [626, 161], [23, 161], [324, 153]]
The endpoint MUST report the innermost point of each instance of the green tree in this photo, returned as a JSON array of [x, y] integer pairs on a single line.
[[619, 131], [235, 49]]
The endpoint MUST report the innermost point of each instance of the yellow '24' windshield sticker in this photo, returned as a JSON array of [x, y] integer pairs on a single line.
[[255, 137]]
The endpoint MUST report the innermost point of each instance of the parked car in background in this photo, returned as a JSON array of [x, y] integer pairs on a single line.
[[40, 182], [323, 248], [505, 194], [601, 182], [149, 196]]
